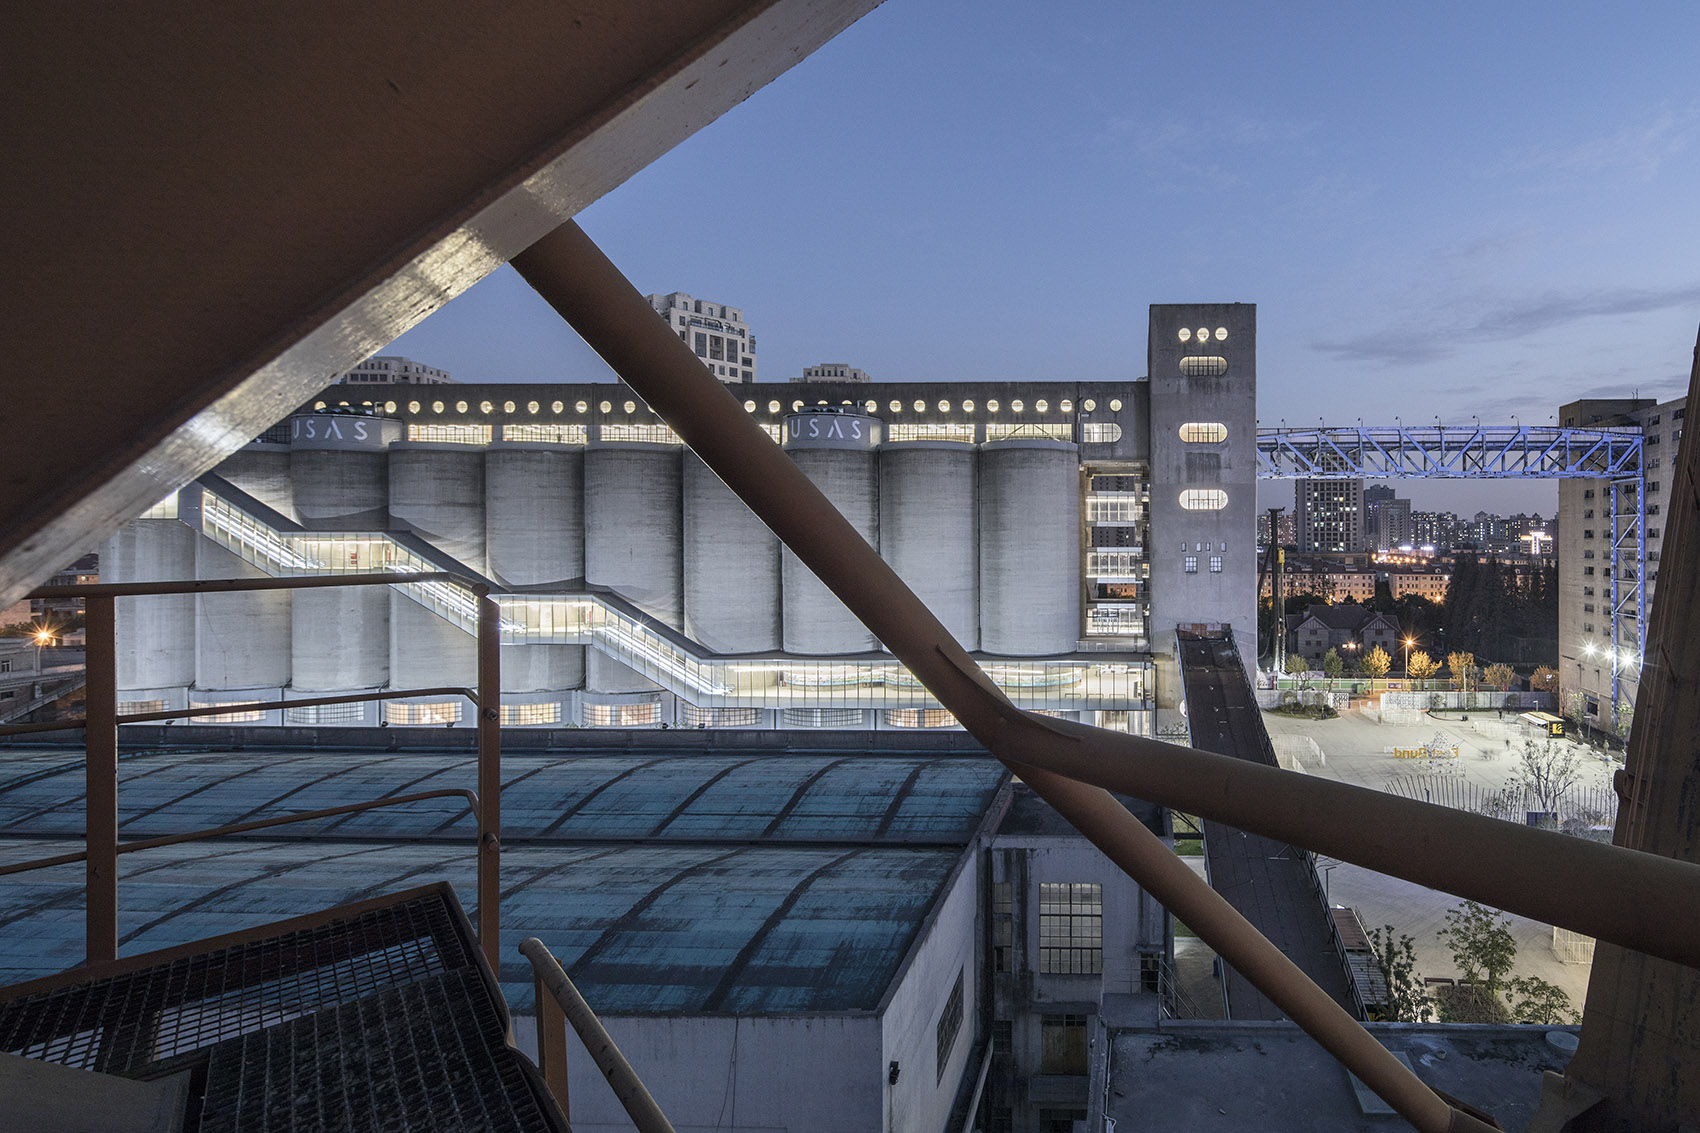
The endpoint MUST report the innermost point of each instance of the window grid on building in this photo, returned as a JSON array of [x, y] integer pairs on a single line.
[[546, 434], [939, 431], [1190, 564], [645, 434], [450, 434], [1204, 499], [693, 717], [919, 718], [1203, 432], [237, 715], [950, 1022], [521, 715], [1100, 433], [1001, 432], [622, 715], [326, 714], [139, 707], [1071, 928], [823, 718], [1215, 564], [437, 712]]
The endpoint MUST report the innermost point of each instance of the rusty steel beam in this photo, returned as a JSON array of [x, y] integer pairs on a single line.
[[489, 778], [573, 276]]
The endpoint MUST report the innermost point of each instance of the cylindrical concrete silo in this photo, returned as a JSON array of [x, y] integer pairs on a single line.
[[731, 568], [262, 470], [928, 521], [633, 530], [241, 638], [156, 633], [1029, 547], [339, 637], [437, 492], [534, 536], [429, 651], [816, 622]]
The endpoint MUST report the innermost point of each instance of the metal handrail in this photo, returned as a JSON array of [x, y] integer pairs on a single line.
[[101, 721], [76, 722], [243, 827], [559, 1003]]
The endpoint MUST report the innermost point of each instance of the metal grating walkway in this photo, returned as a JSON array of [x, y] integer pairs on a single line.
[[379, 1016]]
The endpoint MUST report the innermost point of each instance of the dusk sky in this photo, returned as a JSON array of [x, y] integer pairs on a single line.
[[1439, 209]]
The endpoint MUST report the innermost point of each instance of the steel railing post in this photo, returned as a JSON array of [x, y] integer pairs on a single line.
[[489, 779], [551, 1042], [101, 775]]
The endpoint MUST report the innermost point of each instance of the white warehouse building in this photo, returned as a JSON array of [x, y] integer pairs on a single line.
[[1061, 530]]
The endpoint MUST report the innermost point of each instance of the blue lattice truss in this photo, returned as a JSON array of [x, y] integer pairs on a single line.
[[1535, 452]]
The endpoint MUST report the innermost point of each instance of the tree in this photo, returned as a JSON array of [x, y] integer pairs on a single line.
[[1296, 664], [1421, 666], [1482, 945], [1406, 1002], [1499, 676], [1534, 1000], [1377, 662], [1546, 771], [1544, 679], [1332, 665], [1382, 600], [1462, 666]]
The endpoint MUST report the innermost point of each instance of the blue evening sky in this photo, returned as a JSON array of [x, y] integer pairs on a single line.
[[1439, 209]]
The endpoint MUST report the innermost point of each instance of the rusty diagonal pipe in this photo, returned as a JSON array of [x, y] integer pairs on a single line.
[[573, 276]]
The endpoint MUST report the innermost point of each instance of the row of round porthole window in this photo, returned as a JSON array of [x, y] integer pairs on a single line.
[[1203, 334], [533, 407]]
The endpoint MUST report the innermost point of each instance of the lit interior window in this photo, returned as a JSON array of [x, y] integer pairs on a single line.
[[773, 407], [436, 407], [1100, 432], [968, 405], [1089, 405], [460, 407], [1115, 405], [508, 407], [631, 407], [871, 406], [920, 406], [1204, 334], [796, 406], [897, 407], [749, 407], [1203, 366], [1067, 406], [389, 407], [1186, 334], [321, 405], [606, 407], [822, 401], [992, 405], [1204, 499], [581, 407], [532, 407], [557, 406], [1204, 432], [944, 406], [1015, 405], [1042, 405], [485, 407], [1221, 334], [413, 407]]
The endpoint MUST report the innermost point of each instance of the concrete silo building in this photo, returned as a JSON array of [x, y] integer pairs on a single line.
[[1061, 530]]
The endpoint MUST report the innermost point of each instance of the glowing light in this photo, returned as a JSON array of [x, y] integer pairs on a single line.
[[485, 407], [1221, 334], [1186, 334]]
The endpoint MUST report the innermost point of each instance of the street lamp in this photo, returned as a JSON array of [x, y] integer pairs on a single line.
[[1409, 641], [43, 636]]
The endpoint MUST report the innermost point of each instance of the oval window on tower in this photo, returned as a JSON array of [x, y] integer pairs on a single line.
[[1204, 432], [1201, 366], [1204, 499]]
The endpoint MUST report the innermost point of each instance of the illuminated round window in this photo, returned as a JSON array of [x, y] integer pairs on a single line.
[[344, 404], [1067, 406], [606, 407], [871, 406], [897, 407], [1221, 334], [436, 406], [992, 405], [749, 407], [1115, 405], [1204, 432], [822, 401], [1204, 366], [967, 405], [1204, 499], [1186, 334], [796, 406], [581, 407], [920, 406], [773, 407], [1042, 405], [485, 407], [413, 407], [1015, 405], [631, 407], [944, 406], [557, 407], [532, 407], [460, 407], [508, 407], [389, 407], [318, 405], [1089, 405], [1204, 334]]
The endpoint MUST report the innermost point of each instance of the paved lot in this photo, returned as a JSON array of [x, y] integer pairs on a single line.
[[1354, 747]]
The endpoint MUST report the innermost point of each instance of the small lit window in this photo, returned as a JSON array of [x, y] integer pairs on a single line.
[[871, 406], [485, 407], [630, 407], [968, 405], [1186, 334], [436, 407], [522, 715], [944, 406], [749, 407], [1042, 405], [1015, 405], [1215, 564], [580, 407], [796, 406], [1115, 405], [1100, 432], [442, 712], [389, 407], [460, 407], [1089, 405], [1204, 432], [1204, 334], [621, 715], [920, 406], [992, 405], [773, 407], [413, 407], [897, 407], [1190, 564], [1221, 334], [1067, 406], [532, 407], [508, 407], [606, 407], [1204, 499]]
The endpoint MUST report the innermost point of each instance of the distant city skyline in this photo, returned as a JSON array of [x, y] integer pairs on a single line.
[[1491, 220]]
